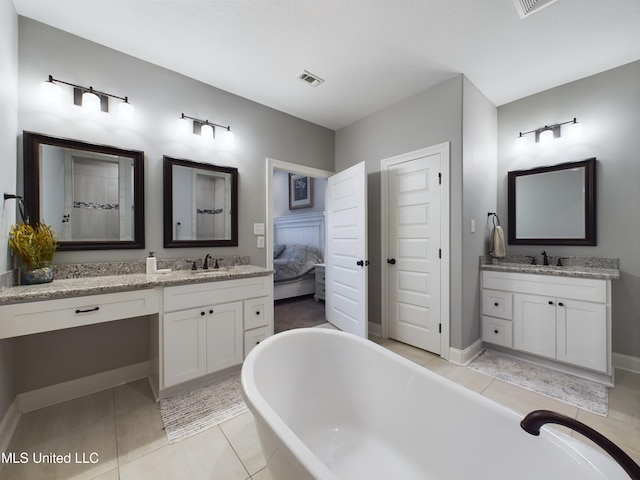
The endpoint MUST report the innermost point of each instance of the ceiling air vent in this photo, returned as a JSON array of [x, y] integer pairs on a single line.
[[527, 7], [310, 78]]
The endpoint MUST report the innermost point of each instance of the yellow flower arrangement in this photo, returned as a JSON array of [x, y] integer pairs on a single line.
[[35, 245]]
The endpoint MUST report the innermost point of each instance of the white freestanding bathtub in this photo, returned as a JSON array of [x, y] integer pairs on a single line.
[[330, 405]]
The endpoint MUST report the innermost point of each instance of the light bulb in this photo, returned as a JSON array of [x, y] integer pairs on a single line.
[[126, 112], [90, 102], [183, 126], [50, 93], [546, 136], [207, 132], [574, 130]]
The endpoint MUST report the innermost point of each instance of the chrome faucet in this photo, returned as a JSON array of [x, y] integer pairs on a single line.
[[536, 419], [205, 266], [545, 259]]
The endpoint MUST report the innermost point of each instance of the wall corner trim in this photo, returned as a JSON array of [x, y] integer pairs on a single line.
[[466, 356]]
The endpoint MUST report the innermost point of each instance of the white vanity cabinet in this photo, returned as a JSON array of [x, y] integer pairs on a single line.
[[562, 318], [206, 325]]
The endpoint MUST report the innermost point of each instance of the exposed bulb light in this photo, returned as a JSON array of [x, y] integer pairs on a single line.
[[546, 135], [126, 111], [574, 129], [90, 101], [521, 141], [183, 126], [50, 92], [207, 132], [549, 132], [86, 97]]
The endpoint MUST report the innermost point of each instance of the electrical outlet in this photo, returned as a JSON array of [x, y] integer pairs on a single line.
[[260, 242]]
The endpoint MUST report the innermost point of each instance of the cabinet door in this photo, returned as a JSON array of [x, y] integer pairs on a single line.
[[225, 336], [185, 348], [534, 324], [582, 334]]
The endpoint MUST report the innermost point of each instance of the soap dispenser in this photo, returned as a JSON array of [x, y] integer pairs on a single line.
[[152, 263]]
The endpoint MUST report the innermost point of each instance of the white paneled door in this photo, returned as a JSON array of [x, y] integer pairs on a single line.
[[414, 251], [346, 250]]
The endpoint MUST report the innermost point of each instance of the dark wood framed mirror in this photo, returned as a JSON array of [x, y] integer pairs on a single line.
[[200, 204], [91, 195], [554, 205]]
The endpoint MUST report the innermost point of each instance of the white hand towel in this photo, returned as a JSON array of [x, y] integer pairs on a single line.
[[496, 242]]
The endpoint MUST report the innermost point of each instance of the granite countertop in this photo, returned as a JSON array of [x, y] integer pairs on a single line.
[[577, 271], [77, 287]]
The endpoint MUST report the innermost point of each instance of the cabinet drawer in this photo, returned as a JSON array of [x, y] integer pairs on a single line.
[[592, 290], [208, 293], [254, 337], [497, 331], [497, 304], [257, 312], [48, 315]]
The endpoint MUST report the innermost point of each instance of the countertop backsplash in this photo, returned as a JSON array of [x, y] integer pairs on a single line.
[[567, 260]]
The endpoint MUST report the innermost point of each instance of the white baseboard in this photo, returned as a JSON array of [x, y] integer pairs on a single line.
[[8, 425], [464, 357], [626, 362], [375, 329], [43, 397]]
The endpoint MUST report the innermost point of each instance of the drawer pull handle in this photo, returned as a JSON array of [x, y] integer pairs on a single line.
[[257, 312], [94, 309], [211, 311], [560, 304], [550, 302], [202, 313], [496, 331], [496, 304]]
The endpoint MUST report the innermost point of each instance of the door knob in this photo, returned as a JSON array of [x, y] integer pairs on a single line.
[[391, 261], [360, 263]]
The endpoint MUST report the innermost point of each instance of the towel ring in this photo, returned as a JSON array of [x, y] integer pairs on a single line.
[[495, 217]]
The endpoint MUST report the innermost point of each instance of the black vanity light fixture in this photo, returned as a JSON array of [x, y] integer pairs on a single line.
[[204, 128], [89, 99], [549, 132]]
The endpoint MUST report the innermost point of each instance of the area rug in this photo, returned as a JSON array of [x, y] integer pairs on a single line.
[[196, 410], [297, 312], [573, 390]]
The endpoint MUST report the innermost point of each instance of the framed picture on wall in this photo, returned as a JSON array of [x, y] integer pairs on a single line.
[[300, 191]]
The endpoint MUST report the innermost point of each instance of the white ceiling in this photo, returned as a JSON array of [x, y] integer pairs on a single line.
[[371, 53]]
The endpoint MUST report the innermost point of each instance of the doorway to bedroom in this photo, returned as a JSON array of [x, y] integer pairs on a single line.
[[296, 242]]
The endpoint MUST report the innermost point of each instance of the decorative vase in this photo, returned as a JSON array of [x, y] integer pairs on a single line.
[[36, 275]]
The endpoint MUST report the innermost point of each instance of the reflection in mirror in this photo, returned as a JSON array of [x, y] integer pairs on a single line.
[[200, 204], [553, 205], [91, 195]]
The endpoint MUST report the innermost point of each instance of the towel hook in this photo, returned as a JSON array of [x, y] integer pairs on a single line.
[[495, 217]]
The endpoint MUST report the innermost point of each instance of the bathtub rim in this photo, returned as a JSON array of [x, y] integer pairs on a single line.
[[600, 462]]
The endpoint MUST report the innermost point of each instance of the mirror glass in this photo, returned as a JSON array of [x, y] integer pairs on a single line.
[[91, 195], [553, 205], [200, 204]]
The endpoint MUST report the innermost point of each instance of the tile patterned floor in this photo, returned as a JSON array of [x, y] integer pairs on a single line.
[[122, 428]]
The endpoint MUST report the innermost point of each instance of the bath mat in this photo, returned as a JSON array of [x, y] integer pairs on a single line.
[[196, 410], [573, 390]]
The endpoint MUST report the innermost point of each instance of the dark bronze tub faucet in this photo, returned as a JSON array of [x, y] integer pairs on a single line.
[[536, 419]]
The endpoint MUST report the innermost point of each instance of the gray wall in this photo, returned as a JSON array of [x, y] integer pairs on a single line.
[[479, 153], [443, 113], [8, 131], [159, 97], [608, 105]]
